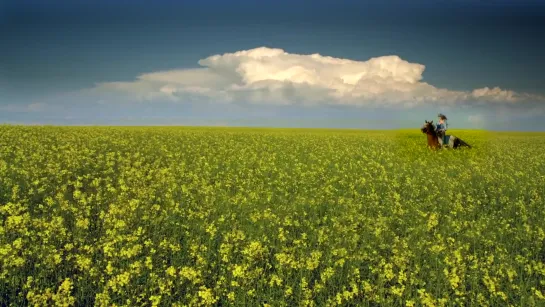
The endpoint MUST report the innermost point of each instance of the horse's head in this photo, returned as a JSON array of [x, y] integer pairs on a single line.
[[428, 127]]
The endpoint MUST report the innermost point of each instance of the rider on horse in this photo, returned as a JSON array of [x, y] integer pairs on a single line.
[[441, 128]]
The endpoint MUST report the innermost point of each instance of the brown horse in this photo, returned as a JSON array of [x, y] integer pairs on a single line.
[[433, 142]]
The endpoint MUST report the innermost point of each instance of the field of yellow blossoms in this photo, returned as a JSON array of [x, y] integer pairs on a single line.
[[171, 216]]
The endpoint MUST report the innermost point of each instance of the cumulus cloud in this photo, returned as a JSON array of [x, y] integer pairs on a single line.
[[274, 76]]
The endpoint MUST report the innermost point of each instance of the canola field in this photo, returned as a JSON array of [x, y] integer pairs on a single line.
[[172, 216]]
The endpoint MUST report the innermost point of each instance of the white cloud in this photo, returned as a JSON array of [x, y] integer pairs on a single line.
[[268, 75], [495, 94]]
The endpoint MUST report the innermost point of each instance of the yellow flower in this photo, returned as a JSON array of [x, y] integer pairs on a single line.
[[539, 294], [275, 280], [432, 221], [171, 271], [288, 291], [238, 271], [231, 296], [207, 296], [155, 300]]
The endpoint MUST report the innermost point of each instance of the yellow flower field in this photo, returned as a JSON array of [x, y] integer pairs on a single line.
[[170, 216]]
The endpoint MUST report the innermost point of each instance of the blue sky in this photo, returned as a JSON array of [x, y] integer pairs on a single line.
[[76, 62]]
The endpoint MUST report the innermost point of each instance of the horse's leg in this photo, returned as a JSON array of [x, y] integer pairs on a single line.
[[459, 142], [452, 141], [456, 143], [464, 144]]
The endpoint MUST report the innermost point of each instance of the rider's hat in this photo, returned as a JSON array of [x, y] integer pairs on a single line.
[[442, 116]]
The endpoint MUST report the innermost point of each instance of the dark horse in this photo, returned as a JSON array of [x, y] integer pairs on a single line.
[[433, 141]]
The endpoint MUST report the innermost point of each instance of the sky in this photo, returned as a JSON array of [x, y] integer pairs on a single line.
[[339, 64]]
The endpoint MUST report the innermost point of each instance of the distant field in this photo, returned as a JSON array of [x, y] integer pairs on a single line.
[[279, 217]]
